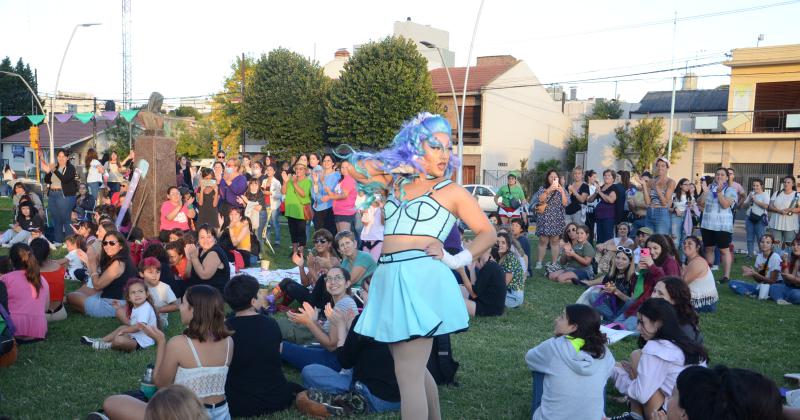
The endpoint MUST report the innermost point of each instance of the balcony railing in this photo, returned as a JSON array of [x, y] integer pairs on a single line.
[[747, 122]]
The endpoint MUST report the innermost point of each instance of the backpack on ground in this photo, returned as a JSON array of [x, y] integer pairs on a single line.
[[441, 364]]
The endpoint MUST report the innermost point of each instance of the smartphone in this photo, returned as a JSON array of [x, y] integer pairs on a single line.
[[645, 252], [209, 182]]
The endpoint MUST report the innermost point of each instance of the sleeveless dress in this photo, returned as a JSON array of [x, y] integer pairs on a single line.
[[552, 221], [207, 213], [412, 294]]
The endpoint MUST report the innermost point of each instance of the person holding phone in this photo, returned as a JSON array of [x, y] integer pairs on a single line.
[[717, 226], [552, 220], [208, 199]]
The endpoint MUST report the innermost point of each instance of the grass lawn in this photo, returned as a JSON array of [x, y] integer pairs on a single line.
[[60, 378]]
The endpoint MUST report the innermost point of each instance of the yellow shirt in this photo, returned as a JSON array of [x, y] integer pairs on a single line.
[[235, 232]]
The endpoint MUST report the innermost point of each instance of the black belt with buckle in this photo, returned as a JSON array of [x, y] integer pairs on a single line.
[[213, 406]]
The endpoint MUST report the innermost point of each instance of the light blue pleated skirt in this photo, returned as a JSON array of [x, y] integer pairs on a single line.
[[412, 295]]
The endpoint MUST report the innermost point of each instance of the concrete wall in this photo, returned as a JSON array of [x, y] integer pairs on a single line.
[[438, 37], [520, 122]]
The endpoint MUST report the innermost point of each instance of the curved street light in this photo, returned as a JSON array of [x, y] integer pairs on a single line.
[[55, 91], [452, 87]]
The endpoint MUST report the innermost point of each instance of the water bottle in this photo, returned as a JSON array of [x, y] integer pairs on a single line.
[[147, 386]]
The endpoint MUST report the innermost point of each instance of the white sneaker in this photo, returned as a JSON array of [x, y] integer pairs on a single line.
[[538, 266], [6, 245], [783, 302], [101, 345], [87, 341], [715, 268]]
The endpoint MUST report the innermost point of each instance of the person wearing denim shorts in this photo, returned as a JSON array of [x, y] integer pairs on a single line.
[[658, 196]]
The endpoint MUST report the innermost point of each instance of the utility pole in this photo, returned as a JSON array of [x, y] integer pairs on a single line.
[[244, 135], [94, 123]]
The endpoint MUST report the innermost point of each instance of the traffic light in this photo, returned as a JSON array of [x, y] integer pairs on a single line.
[[34, 137], [215, 146]]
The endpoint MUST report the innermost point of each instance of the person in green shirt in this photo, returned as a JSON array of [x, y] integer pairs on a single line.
[[359, 263], [297, 192], [509, 199], [576, 259]]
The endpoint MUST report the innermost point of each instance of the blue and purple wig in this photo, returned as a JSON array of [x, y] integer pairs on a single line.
[[406, 147]]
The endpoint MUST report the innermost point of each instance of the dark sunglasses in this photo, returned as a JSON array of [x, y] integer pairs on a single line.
[[625, 250], [112, 243], [320, 241]]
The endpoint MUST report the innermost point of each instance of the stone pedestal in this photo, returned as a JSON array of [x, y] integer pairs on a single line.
[[159, 152]]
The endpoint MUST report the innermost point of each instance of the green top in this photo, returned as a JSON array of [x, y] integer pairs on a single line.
[[509, 193], [511, 264], [584, 251], [293, 202], [363, 259]]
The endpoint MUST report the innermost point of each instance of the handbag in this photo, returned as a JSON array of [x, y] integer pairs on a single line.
[[307, 214], [754, 218]]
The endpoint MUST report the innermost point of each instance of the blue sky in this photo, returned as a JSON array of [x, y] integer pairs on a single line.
[[185, 48]]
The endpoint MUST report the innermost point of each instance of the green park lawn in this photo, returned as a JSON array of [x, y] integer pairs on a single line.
[[60, 378]]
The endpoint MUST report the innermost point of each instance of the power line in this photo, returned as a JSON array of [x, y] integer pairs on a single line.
[[653, 23]]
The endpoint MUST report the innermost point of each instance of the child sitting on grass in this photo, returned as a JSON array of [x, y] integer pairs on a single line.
[[163, 298], [140, 312], [75, 267]]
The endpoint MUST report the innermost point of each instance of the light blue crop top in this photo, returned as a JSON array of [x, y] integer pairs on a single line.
[[422, 216]]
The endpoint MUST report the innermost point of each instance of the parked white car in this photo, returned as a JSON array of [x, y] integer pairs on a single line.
[[485, 196]]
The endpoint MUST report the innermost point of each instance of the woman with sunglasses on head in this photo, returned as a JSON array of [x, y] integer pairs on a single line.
[[785, 206], [114, 270], [312, 283], [697, 274], [607, 249], [648, 379], [657, 261], [611, 296]]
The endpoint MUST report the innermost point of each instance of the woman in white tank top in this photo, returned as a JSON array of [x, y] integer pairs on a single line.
[[197, 359]]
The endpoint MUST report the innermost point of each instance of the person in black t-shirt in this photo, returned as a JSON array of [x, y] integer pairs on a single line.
[[255, 385], [487, 296], [578, 193]]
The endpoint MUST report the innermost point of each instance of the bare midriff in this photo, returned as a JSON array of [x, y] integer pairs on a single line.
[[397, 243]]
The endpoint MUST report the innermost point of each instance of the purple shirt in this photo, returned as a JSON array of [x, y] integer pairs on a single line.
[[229, 193], [453, 240]]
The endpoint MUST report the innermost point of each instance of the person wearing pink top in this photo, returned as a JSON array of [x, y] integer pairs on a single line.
[[344, 200], [28, 295], [175, 214]]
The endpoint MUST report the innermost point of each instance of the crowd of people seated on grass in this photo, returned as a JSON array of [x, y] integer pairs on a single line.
[[643, 251]]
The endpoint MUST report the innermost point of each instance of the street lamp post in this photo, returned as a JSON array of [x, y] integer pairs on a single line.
[[455, 98], [55, 91], [35, 97]]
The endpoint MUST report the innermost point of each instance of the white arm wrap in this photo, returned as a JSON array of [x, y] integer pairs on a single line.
[[457, 261]]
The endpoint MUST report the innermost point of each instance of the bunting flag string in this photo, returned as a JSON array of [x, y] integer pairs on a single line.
[[13, 118], [36, 119], [62, 118]]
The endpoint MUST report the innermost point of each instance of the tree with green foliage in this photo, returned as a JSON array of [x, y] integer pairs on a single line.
[[286, 103], [15, 98], [383, 84], [186, 111], [532, 179], [119, 136], [226, 114], [195, 142], [606, 110], [641, 144]]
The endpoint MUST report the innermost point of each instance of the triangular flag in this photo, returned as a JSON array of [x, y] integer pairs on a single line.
[[110, 115], [13, 117], [62, 118], [84, 117], [36, 119], [129, 114]]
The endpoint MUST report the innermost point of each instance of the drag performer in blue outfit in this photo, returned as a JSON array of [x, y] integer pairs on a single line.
[[413, 295]]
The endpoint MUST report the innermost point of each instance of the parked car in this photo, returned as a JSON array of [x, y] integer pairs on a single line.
[[485, 196]]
